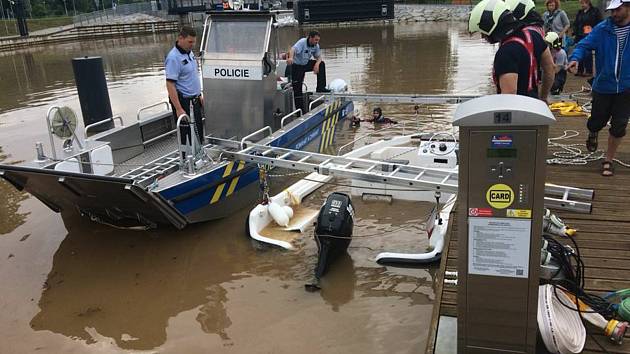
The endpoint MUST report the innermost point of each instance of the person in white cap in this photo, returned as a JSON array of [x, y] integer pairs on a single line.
[[611, 86]]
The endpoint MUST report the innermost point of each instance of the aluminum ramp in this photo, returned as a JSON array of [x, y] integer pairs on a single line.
[[380, 171]]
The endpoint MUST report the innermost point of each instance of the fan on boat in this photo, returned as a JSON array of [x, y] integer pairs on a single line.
[[63, 122]]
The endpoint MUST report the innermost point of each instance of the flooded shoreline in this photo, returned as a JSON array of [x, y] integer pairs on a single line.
[[74, 286]]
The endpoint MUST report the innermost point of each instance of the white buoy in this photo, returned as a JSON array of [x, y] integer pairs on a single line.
[[288, 210], [278, 214]]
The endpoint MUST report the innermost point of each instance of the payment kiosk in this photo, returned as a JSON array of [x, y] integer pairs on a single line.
[[503, 145]]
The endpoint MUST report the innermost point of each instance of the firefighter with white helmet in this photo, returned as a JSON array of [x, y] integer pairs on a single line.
[[521, 51], [559, 60]]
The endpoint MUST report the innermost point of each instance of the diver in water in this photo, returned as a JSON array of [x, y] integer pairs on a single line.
[[377, 118]]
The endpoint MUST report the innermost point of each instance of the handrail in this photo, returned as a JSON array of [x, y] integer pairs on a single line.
[[179, 137], [50, 135], [254, 134], [110, 119], [202, 45], [288, 116], [310, 105], [168, 106]]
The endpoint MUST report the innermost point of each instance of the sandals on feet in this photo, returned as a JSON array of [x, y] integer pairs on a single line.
[[608, 169], [591, 142]]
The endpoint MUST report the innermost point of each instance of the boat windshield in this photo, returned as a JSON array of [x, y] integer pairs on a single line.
[[237, 38]]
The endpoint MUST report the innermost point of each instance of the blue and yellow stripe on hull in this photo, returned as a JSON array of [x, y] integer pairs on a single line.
[[216, 196], [332, 114]]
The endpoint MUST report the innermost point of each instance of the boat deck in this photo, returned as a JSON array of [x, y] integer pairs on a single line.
[[151, 152], [603, 237]]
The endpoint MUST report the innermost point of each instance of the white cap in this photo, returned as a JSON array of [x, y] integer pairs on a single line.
[[616, 3]]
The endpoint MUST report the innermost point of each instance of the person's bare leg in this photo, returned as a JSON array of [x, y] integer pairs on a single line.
[[613, 144], [607, 165]]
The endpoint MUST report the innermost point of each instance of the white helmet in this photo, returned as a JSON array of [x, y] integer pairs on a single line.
[[551, 37], [554, 40], [485, 16], [520, 8]]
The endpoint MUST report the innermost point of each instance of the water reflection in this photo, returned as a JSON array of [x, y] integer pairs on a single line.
[[337, 286], [10, 217], [44, 74], [128, 284]]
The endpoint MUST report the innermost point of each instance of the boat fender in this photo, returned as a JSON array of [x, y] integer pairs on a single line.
[[278, 214], [338, 85], [288, 210]]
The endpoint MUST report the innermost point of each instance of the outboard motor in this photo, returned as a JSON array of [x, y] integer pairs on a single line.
[[334, 230]]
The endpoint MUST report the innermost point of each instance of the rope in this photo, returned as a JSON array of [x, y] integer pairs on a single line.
[[560, 327], [572, 154]]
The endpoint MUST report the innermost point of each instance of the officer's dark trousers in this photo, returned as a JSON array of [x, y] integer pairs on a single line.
[[297, 78], [199, 114]]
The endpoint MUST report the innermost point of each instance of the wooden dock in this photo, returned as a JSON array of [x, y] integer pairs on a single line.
[[603, 236]]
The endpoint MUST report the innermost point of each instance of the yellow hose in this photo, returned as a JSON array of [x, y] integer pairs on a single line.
[[570, 109]]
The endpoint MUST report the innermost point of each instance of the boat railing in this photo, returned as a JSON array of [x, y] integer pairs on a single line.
[[320, 98], [401, 125], [165, 103], [182, 153], [267, 129], [299, 110], [108, 120]]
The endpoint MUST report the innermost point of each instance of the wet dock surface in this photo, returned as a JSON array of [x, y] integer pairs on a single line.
[[603, 236]]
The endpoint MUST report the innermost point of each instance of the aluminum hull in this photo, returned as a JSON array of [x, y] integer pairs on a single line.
[[217, 192]]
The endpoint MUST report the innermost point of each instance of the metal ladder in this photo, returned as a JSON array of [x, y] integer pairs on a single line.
[[160, 166], [382, 172], [403, 98], [332, 165], [569, 198]]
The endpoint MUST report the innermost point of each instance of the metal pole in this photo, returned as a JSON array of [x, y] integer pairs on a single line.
[[6, 28]]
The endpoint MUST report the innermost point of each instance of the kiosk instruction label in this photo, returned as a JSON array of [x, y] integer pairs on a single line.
[[499, 247]]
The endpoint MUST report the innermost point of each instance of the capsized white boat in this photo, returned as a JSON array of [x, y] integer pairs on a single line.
[[416, 149], [261, 224]]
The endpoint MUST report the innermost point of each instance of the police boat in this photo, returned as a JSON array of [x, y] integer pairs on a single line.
[[139, 175]]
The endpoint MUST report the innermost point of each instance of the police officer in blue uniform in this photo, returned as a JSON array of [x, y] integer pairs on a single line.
[[300, 60], [183, 83]]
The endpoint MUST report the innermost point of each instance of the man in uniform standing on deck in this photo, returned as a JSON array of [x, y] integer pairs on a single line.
[[610, 40], [522, 50], [300, 60], [183, 83]]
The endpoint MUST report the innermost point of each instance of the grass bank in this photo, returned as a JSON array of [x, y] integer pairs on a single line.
[[9, 27]]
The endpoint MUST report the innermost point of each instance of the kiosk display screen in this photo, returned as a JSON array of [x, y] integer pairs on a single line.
[[501, 153]]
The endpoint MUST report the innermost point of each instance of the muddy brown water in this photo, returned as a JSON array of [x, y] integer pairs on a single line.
[[68, 285]]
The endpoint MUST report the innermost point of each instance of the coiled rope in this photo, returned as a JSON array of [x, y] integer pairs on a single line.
[[572, 154]]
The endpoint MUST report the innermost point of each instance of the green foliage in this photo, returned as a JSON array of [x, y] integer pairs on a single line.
[[8, 27]]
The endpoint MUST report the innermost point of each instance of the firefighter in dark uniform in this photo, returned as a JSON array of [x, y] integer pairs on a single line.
[[521, 50]]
